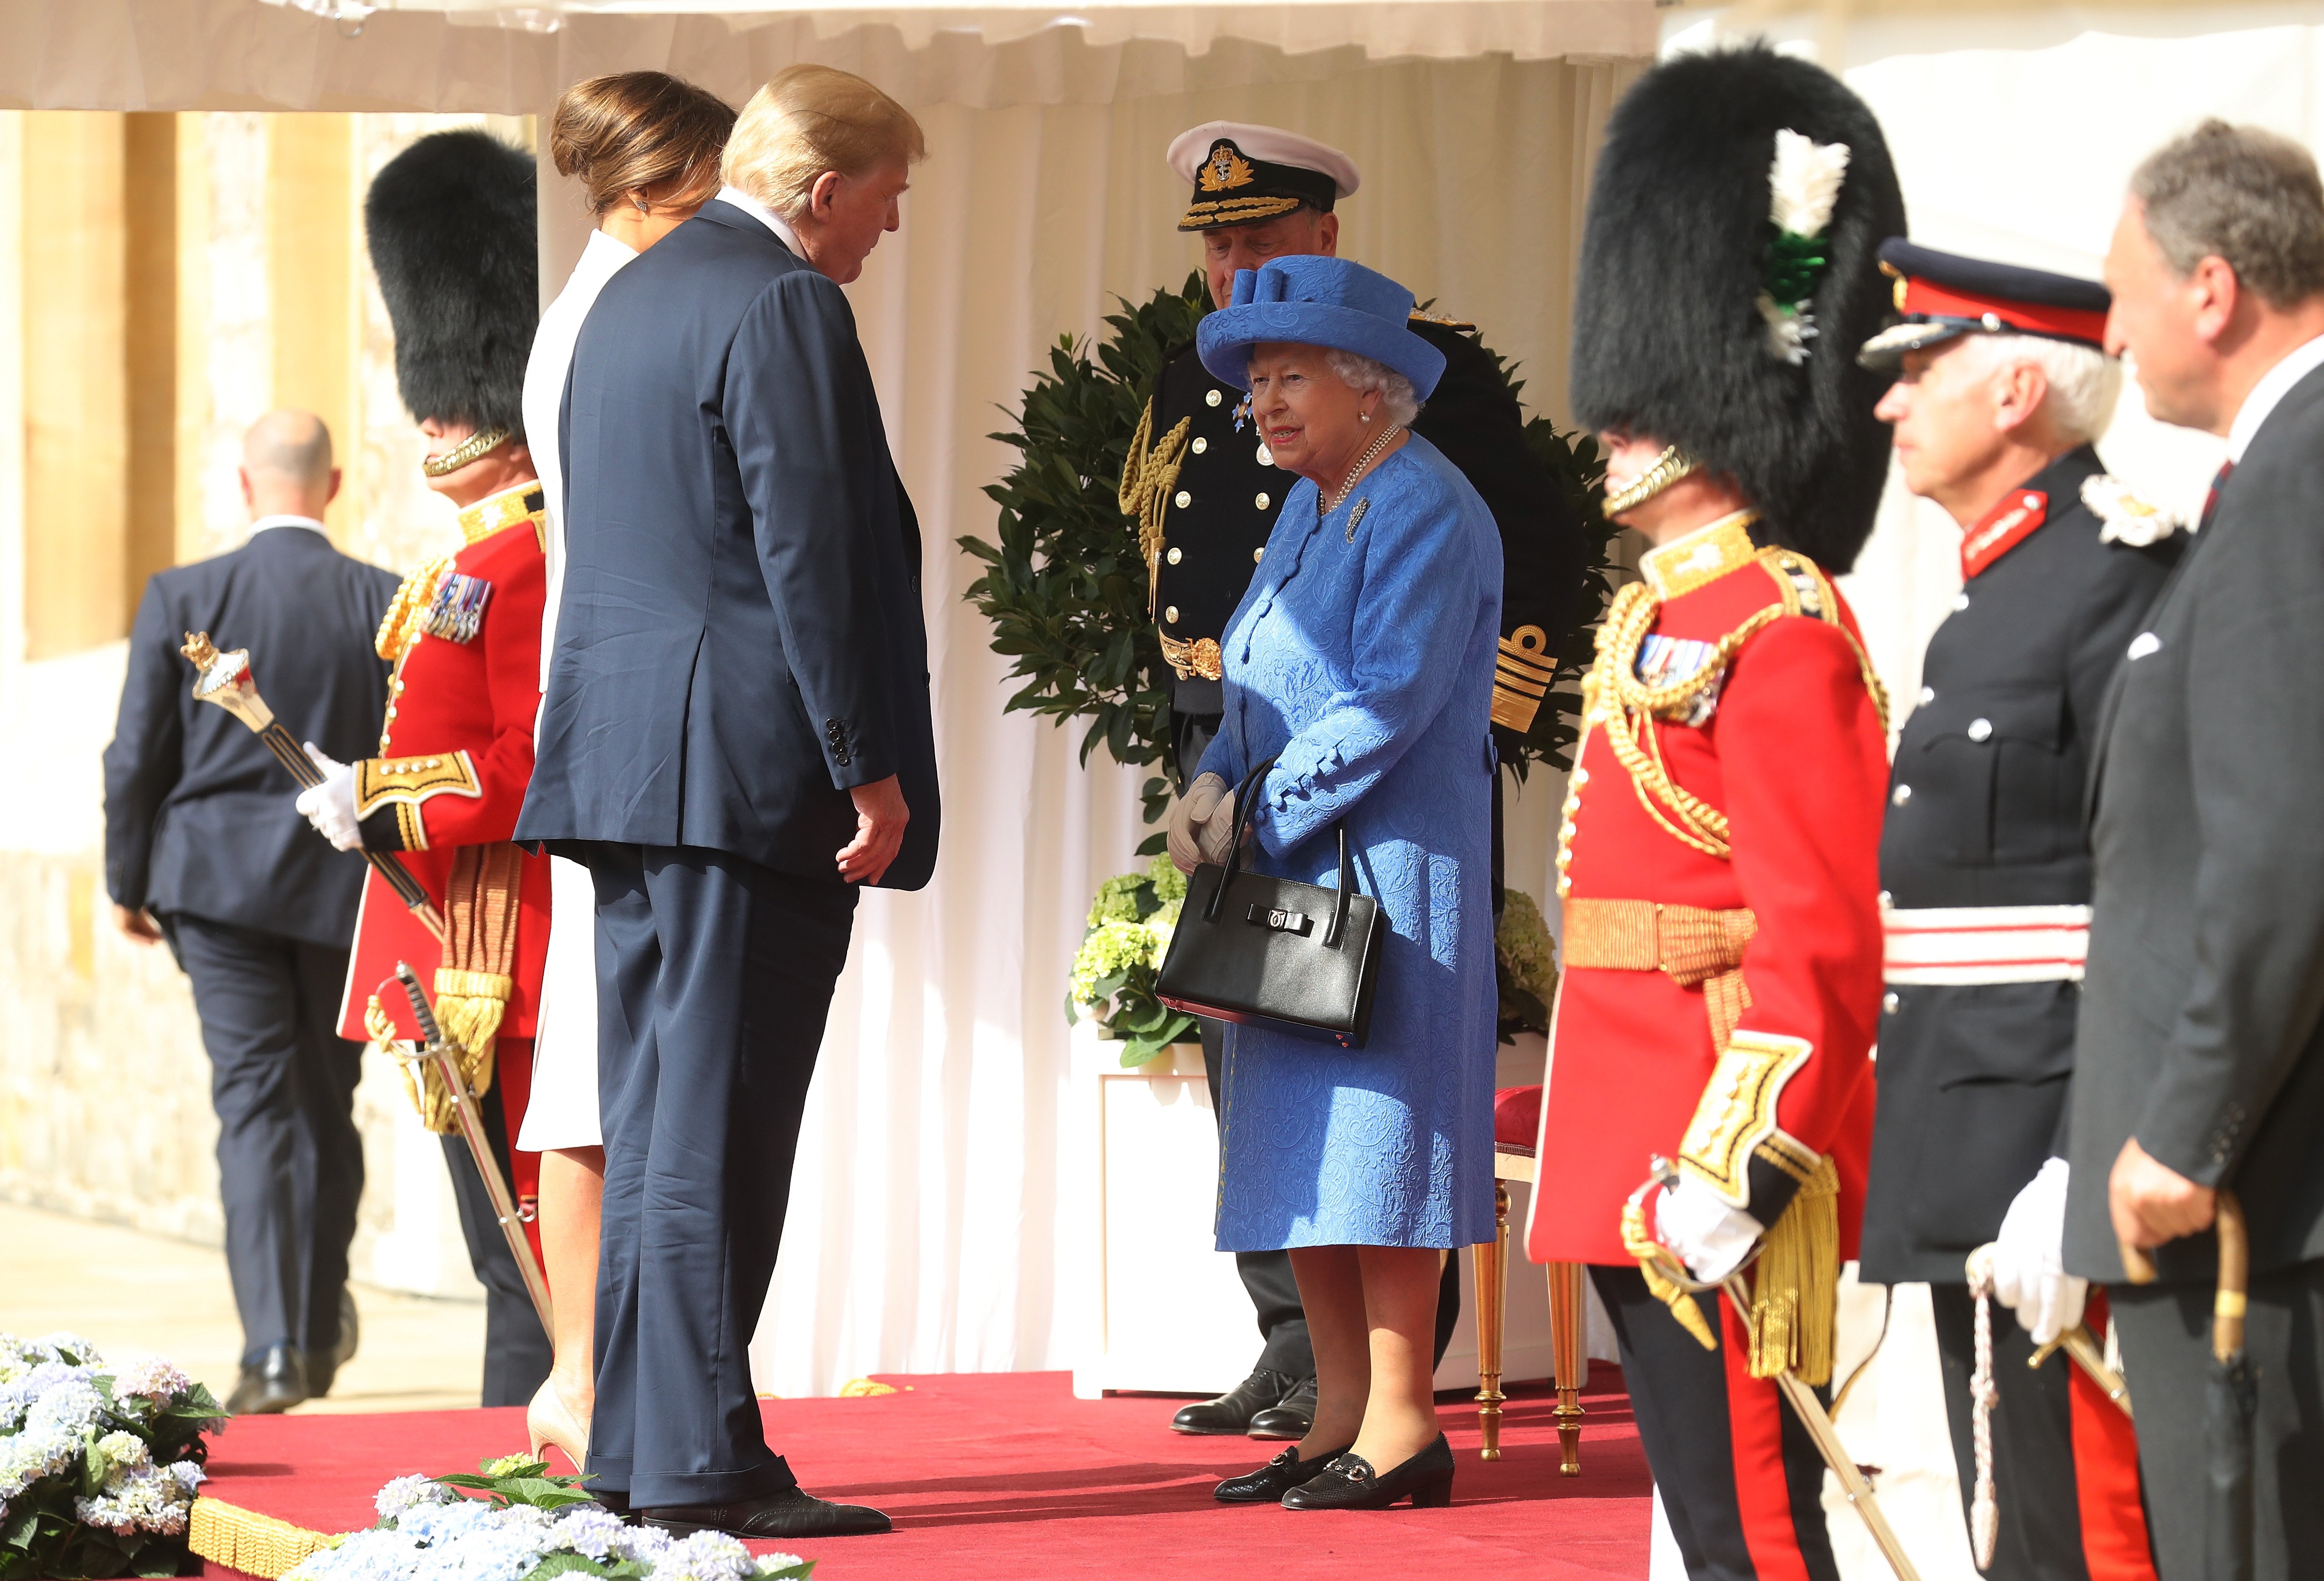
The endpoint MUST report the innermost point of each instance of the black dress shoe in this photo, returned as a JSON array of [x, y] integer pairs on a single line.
[[1269, 1483], [322, 1371], [276, 1383], [1293, 1419], [1350, 1483], [793, 1512], [1231, 1412]]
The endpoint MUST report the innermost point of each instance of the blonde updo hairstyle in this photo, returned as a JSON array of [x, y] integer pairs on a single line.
[[639, 136], [810, 119]]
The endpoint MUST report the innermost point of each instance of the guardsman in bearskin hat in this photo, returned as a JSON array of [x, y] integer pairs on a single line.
[[2002, 382], [1205, 494], [1710, 1098], [451, 227]]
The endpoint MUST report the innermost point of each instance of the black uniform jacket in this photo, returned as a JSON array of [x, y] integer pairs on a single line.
[[1225, 499], [1984, 809], [2200, 1030], [739, 639], [198, 814]]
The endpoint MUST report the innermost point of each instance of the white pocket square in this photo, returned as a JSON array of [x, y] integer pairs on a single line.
[[2143, 643]]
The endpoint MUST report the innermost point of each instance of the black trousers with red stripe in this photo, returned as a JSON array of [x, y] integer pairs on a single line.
[[2065, 1459], [1740, 1479]]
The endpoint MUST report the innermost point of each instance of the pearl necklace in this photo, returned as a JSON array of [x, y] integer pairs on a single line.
[[1387, 437]]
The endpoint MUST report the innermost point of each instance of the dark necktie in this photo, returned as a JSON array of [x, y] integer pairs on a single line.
[[2211, 500]]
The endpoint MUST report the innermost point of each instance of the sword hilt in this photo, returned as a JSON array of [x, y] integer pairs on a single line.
[[422, 1011]]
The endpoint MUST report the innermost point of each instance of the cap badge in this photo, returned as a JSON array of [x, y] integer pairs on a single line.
[[1225, 169]]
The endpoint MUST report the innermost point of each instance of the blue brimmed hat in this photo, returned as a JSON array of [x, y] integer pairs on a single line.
[[1311, 301]]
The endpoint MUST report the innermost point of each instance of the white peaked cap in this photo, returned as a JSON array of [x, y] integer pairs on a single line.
[[1272, 144]]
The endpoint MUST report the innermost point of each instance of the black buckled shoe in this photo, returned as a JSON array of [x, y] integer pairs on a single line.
[[1293, 1417], [1269, 1483], [1232, 1412], [275, 1382], [1350, 1483], [793, 1512]]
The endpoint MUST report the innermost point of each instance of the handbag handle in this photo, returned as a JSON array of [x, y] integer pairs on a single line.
[[1246, 800]]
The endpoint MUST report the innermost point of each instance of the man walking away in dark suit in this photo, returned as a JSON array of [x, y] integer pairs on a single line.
[[203, 849], [2200, 1060], [736, 734]]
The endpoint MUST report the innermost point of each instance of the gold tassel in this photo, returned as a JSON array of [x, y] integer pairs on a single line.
[[1641, 1244], [1795, 1292], [469, 1007]]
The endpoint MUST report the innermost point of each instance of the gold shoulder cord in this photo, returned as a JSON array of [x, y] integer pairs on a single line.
[[1626, 707], [1148, 476], [408, 608]]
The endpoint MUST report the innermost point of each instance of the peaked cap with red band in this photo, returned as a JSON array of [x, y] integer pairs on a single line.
[[1944, 295]]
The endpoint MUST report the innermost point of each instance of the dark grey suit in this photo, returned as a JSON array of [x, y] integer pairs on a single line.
[[739, 642], [199, 827], [2200, 1024]]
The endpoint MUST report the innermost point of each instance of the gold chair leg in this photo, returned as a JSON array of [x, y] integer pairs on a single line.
[[1492, 1290], [1570, 1358]]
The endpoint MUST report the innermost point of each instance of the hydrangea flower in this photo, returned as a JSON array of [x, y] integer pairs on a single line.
[[408, 1492], [1169, 884], [776, 1564], [71, 1348], [591, 1530], [141, 1496], [154, 1379], [705, 1556], [1110, 949], [1525, 945]]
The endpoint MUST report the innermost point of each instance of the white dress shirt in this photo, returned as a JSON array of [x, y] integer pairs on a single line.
[[764, 216], [544, 398], [265, 523], [2274, 386]]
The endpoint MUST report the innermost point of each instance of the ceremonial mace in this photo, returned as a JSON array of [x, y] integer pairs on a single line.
[[447, 1054], [224, 678]]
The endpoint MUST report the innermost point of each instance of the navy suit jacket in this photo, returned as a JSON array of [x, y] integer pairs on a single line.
[[739, 639], [198, 814]]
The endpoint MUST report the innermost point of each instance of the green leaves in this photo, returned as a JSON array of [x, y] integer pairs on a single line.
[[519, 1480], [1064, 583]]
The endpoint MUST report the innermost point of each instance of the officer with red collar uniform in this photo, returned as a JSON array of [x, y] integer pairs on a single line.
[[2001, 382], [1717, 855], [450, 223]]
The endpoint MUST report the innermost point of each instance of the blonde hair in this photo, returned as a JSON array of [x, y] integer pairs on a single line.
[[809, 119]]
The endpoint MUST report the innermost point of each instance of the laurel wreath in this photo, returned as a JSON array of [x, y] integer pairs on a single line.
[[1065, 584]]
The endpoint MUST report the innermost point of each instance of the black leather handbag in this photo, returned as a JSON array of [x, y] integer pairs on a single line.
[[1271, 952]]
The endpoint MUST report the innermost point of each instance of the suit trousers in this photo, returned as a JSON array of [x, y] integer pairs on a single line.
[[518, 1354], [290, 1165], [1741, 1481], [715, 978], [2065, 1459], [2165, 1333]]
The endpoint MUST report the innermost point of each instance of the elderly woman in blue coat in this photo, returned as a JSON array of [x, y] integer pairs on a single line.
[[1361, 661]]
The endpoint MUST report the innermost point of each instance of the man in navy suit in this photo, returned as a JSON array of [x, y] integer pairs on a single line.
[[736, 734], [203, 849]]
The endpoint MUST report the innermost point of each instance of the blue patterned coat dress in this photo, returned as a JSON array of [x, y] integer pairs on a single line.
[[1362, 659]]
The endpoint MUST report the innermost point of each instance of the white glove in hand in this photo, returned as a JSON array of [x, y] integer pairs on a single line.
[[2029, 1267], [330, 806], [1190, 818], [1710, 1237]]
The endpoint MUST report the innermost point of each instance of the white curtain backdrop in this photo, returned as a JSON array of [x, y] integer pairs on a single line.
[[938, 1199]]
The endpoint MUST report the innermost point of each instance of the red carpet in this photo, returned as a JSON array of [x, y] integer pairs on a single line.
[[1006, 1477]]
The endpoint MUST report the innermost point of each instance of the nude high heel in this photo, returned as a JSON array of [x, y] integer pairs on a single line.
[[549, 1420]]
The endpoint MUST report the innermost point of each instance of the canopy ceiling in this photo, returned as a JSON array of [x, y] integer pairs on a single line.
[[475, 55]]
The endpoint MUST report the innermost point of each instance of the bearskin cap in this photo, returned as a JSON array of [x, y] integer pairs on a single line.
[[1672, 339], [452, 229]]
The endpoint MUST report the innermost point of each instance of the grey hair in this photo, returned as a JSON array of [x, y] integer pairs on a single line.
[[1359, 373], [2084, 382], [2244, 194]]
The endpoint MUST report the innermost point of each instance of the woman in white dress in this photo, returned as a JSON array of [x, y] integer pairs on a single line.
[[645, 147]]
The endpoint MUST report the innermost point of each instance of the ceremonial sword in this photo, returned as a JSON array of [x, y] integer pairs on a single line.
[[446, 1056], [224, 678]]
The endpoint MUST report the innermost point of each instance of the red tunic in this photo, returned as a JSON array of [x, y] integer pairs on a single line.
[[463, 700], [1795, 754]]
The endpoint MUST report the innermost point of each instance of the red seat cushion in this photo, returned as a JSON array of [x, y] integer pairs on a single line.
[[1517, 1118]]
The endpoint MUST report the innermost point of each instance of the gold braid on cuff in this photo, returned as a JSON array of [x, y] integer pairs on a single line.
[[1669, 467], [483, 442]]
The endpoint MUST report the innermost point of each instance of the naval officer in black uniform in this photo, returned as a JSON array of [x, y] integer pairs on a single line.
[[2001, 386], [1206, 493]]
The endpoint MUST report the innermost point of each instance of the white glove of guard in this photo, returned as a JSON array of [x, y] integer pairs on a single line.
[[1710, 1237], [2029, 1267], [330, 806], [1202, 824]]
